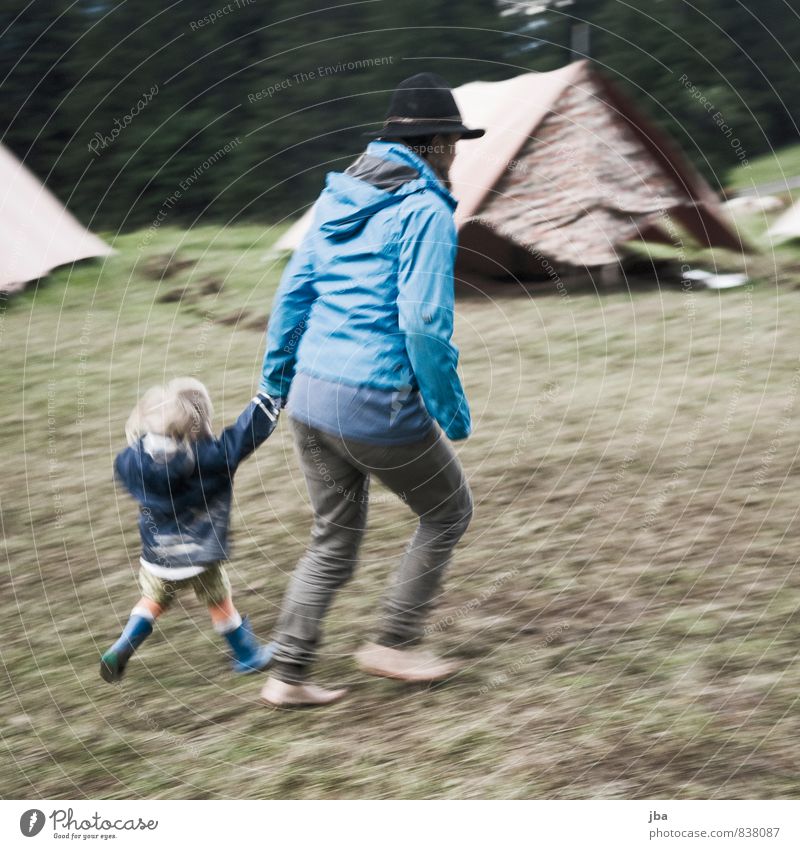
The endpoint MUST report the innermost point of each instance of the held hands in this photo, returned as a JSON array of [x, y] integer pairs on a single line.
[[270, 406]]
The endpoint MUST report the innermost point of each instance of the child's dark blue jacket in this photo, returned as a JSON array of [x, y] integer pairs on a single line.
[[184, 488]]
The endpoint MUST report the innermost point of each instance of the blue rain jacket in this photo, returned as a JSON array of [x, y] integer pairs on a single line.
[[367, 299]]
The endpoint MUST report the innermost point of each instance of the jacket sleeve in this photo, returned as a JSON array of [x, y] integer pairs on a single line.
[[290, 309], [238, 441], [126, 469], [426, 302]]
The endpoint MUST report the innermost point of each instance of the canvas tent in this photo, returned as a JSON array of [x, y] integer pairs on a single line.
[[37, 234], [569, 171], [787, 226]]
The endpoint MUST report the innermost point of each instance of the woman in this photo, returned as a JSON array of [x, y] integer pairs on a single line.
[[359, 341]]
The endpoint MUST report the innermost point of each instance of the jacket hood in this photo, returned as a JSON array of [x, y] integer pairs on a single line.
[[384, 175], [157, 467]]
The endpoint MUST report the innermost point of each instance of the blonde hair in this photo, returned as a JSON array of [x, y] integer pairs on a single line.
[[181, 410]]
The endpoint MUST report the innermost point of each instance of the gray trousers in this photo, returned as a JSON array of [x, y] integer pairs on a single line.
[[427, 475]]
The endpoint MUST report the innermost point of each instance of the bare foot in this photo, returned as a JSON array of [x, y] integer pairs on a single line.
[[280, 694], [404, 665]]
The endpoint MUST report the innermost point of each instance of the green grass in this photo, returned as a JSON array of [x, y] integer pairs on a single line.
[[778, 165], [633, 555]]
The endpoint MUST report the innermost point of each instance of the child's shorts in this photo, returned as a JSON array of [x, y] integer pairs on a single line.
[[211, 586]]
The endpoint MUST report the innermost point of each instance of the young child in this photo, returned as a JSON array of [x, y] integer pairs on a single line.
[[182, 476]]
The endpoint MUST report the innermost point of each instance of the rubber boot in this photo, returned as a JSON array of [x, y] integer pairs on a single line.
[[114, 661], [249, 655]]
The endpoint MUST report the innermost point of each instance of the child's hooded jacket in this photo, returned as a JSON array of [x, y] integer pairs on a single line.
[[184, 488]]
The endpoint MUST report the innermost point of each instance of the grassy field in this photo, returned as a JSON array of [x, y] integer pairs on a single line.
[[779, 165], [626, 598]]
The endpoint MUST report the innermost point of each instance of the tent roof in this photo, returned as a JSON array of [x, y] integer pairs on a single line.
[[497, 107], [512, 110], [37, 233]]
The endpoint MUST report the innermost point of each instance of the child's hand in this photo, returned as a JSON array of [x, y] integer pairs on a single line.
[[265, 417], [270, 405]]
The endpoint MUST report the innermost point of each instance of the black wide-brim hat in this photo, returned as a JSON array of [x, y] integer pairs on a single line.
[[423, 105]]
